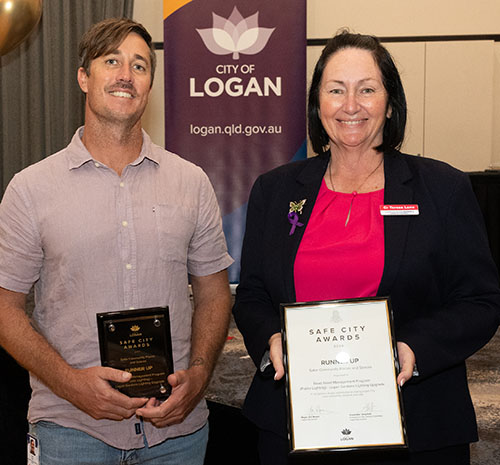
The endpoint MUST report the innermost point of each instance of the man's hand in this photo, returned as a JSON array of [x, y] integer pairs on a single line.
[[276, 355], [188, 387], [89, 390], [406, 361], [212, 311]]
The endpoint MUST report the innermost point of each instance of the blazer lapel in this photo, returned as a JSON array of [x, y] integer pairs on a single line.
[[397, 190], [307, 185]]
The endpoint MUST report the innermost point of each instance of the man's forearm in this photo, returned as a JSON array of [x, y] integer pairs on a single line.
[[26, 345], [87, 389], [212, 311]]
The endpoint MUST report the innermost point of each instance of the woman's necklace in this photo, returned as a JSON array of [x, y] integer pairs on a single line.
[[354, 192]]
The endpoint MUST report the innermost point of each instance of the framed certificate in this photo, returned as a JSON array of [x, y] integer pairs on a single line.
[[341, 366], [138, 341]]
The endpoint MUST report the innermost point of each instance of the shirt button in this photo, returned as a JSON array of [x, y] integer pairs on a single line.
[[125, 223], [122, 184], [128, 266], [97, 164]]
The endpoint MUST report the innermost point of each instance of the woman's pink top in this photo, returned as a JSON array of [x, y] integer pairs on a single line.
[[336, 260]]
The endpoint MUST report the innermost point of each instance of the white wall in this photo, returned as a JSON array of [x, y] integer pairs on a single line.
[[453, 88]]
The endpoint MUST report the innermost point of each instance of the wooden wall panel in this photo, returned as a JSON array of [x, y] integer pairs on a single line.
[[410, 60], [403, 17], [459, 103]]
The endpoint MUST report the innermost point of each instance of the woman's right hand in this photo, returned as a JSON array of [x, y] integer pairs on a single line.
[[276, 355]]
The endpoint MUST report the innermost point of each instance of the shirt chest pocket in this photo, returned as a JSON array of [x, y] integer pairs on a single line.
[[175, 226]]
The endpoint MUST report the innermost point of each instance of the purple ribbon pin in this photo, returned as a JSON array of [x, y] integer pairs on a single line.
[[293, 219]]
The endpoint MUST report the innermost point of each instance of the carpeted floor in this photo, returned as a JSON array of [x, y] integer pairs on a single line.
[[235, 370], [484, 382]]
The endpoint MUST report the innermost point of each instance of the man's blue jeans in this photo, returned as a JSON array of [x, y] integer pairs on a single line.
[[67, 446]]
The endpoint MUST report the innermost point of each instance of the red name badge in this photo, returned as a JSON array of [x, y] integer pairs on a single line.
[[398, 210]]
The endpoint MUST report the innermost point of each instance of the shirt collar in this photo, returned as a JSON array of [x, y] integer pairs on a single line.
[[78, 155]]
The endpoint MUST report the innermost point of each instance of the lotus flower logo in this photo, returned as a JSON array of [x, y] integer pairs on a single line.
[[235, 35]]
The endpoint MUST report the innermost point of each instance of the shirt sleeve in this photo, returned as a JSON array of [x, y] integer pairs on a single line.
[[207, 252], [21, 253]]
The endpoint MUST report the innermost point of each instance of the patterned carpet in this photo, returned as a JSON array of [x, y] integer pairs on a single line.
[[484, 382]]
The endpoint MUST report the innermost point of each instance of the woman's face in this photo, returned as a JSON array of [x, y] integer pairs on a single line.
[[353, 100]]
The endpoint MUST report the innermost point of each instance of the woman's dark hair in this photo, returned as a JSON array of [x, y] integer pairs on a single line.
[[394, 127]]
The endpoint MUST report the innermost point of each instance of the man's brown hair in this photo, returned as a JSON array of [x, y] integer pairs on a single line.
[[106, 36]]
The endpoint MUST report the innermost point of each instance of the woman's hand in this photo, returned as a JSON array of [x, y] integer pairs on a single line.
[[276, 355], [406, 362]]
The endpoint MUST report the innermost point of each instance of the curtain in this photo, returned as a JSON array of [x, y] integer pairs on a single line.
[[41, 104]]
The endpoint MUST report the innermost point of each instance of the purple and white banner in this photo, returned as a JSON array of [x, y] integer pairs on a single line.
[[235, 94]]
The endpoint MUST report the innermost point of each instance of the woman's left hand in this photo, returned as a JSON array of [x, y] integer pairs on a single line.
[[406, 362], [276, 355]]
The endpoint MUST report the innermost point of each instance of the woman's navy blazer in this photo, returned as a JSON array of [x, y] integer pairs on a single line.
[[438, 272]]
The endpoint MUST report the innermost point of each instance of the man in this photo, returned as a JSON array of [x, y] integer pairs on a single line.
[[112, 222]]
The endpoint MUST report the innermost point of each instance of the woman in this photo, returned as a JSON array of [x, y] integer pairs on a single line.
[[314, 232]]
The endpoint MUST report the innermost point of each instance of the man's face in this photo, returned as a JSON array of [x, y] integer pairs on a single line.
[[119, 83]]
